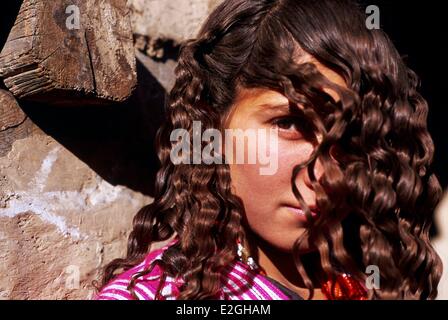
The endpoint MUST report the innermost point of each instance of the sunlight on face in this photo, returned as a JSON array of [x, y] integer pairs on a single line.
[[272, 211]]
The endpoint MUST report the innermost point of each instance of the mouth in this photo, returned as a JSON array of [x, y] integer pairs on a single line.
[[300, 213]]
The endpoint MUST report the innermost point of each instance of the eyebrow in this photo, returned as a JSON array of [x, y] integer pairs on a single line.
[[273, 108]]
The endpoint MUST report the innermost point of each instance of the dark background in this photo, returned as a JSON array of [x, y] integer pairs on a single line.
[[419, 31]]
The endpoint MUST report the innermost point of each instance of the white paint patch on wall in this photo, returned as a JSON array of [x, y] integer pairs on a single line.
[[38, 183], [47, 204]]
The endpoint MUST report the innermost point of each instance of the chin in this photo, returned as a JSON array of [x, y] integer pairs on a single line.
[[286, 244]]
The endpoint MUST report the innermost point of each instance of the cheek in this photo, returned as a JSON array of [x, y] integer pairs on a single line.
[[291, 154], [261, 193], [256, 191]]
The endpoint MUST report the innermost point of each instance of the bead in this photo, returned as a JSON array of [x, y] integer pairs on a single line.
[[344, 287]]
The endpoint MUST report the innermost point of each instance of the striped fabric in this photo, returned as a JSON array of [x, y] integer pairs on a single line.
[[239, 282]]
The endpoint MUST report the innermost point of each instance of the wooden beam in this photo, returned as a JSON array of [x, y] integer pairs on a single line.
[[47, 57]]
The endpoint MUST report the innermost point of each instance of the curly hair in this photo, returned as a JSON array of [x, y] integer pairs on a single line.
[[375, 200]]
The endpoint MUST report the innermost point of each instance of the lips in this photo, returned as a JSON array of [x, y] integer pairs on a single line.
[[301, 213]]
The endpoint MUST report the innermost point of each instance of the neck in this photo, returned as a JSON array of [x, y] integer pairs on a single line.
[[280, 266]]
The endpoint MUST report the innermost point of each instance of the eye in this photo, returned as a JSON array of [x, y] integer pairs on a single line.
[[286, 123], [289, 127]]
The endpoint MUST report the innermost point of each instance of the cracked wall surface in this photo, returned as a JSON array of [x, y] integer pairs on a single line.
[[58, 218]]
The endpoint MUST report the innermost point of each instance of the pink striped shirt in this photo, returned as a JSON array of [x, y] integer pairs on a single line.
[[239, 282]]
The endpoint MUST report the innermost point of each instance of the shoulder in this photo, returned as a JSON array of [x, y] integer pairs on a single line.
[[146, 286]]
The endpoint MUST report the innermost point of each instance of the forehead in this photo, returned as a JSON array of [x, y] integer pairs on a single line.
[[248, 98], [258, 96], [252, 101]]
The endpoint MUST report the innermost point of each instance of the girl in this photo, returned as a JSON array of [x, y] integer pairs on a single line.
[[347, 212]]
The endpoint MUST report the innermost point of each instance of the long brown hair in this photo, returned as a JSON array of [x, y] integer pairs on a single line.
[[375, 201]]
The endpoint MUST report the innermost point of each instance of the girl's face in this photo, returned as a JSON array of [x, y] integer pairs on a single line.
[[272, 211]]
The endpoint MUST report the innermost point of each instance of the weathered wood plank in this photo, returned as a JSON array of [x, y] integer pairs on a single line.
[[45, 59]]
